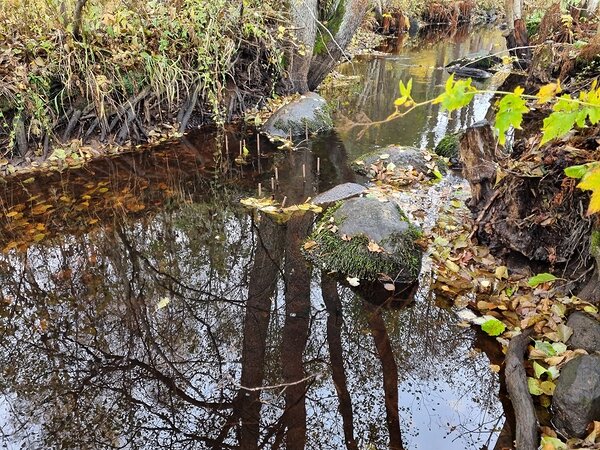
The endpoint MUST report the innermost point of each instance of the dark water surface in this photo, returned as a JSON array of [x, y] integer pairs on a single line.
[[142, 307]]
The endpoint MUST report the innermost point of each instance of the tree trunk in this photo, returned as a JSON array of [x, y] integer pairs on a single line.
[[321, 41], [517, 37], [304, 14], [332, 40], [477, 150]]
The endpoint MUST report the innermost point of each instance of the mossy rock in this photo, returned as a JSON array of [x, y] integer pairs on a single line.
[[449, 145], [341, 240], [309, 113]]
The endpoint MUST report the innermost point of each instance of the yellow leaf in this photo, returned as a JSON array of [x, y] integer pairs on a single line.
[[452, 266], [591, 182], [374, 247], [38, 237], [548, 92], [310, 244], [10, 246]]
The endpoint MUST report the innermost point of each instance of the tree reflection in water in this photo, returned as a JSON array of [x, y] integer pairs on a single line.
[[251, 351]]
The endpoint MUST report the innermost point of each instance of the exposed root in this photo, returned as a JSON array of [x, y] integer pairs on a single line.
[[516, 383]]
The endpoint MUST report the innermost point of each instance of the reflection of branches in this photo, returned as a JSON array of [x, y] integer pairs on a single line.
[[124, 363], [282, 386]]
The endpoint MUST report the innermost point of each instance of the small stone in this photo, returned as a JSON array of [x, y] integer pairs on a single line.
[[339, 192]]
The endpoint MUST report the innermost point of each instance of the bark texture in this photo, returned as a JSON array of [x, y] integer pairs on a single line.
[[321, 39]]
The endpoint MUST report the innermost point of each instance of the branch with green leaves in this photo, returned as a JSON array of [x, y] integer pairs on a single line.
[[567, 112]]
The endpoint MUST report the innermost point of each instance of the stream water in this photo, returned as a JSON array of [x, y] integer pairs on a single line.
[[141, 306]]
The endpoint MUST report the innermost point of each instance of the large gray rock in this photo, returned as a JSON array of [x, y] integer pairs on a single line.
[[309, 111], [586, 332], [576, 400], [338, 193], [343, 241], [402, 157]]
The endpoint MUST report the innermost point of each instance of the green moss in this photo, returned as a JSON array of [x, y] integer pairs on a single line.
[[353, 258], [448, 146], [333, 25]]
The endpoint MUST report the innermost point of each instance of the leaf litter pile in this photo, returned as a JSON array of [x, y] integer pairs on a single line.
[[504, 302]]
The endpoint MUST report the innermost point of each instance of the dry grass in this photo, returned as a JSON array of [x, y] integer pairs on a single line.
[[133, 63]]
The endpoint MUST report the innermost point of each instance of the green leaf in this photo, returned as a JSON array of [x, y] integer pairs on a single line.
[[576, 171], [534, 386], [549, 442], [538, 369], [559, 347], [561, 121], [541, 278], [510, 113], [553, 372], [405, 90], [457, 94], [545, 347], [493, 327]]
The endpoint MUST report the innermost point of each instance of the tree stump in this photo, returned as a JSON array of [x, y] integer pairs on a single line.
[[477, 151]]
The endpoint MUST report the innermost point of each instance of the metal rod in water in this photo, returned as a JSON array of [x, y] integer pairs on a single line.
[[277, 174], [272, 183], [240, 148], [259, 190], [318, 165], [258, 144], [304, 171], [283, 201], [306, 130], [226, 145]]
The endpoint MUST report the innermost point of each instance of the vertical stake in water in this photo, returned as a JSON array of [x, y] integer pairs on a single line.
[[272, 184], [240, 148], [304, 172], [277, 175], [283, 201], [258, 144], [226, 145], [306, 130], [318, 166], [259, 190]]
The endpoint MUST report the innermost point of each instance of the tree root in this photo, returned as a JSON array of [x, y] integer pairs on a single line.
[[516, 383]]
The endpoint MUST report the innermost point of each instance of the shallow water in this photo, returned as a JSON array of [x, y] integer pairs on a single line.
[[141, 305]]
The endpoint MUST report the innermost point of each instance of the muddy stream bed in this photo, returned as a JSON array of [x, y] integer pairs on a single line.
[[140, 303]]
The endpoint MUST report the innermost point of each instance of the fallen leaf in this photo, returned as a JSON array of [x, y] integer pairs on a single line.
[[353, 281], [162, 303]]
